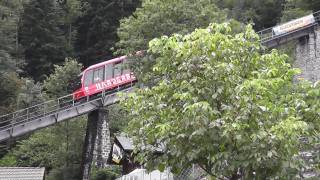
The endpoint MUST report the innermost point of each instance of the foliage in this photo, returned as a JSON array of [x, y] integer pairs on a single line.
[[36, 151], [289, 49], [69, 12], [8, 161], [263, 13], [30, 94], [313, 5], [9, 49], [44, 44], [51, 147], [118, 120], [220, 104], [109, 173], [58, 83], [68, 173], [97, 28], [294, 9], [44, 32], [10, 86], [158, 17], [57, 148]]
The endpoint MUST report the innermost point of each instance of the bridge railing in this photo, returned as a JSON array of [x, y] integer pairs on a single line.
[[48, 107], [36, 111], [265, 34]]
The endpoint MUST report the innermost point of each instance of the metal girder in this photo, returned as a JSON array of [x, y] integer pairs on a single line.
[[15, 129]]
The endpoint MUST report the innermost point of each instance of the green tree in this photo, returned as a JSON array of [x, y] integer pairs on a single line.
[[97, 28], [70, 11], [30, 94], [42, 38], [164, 17], [313, 5], [58, 148], [71, 133], [295, 9], [10, 86], [219, 103], [157, 18], [118, 120], [9, 46], [263, 13], [58, 83]]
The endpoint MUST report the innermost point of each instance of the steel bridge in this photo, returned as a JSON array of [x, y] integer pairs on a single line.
[[51, 112], [270, 40]]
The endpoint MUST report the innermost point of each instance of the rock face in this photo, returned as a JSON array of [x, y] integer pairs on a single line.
[[308, 56], [97, 142]]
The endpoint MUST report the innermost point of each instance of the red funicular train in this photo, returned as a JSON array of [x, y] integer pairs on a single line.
[[104, 76]]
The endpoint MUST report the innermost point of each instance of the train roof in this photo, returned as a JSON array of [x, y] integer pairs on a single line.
[[106, 62]]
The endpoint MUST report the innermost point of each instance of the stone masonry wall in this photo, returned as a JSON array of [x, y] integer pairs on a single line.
[[91, 134], [308, 56], [103, 141], [97, 142], [308, 60]]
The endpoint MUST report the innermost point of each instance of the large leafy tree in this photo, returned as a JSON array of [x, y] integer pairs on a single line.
[[97, 28], [219, 103], [42, 38]]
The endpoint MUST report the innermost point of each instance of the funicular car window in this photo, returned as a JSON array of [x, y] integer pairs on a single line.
[[98, 74], [88, 78], [109, 71], [125, 67], [117, 69]]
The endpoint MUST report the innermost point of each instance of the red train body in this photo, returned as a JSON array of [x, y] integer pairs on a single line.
[[104, 76]]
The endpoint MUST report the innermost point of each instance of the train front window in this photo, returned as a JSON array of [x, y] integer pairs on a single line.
[[88, 78], [98, 75]]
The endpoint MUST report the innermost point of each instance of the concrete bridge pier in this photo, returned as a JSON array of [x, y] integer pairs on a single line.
[[97, 142], [308, 56]]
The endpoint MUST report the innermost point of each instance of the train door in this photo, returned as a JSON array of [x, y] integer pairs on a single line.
[[93, 80], [117, 71], [109, 72]]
